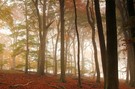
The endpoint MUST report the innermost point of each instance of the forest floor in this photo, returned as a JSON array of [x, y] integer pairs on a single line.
[[19, 80]]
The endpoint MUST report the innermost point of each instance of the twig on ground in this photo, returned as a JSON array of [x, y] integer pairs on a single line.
[[3, 83], [20, 85]]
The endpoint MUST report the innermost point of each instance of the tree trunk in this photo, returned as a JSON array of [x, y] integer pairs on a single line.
[[55, 54], [62, 77], [131, 12], [66, 56], [2, 62], [43, 42], [101, 38], [127, 73], [131, 57], [41, 23], [74, 52], [27, 39], [127, 34], [92, 24], [13, 63], [112, 57], [82, 46], [95, 56], [78, 40]]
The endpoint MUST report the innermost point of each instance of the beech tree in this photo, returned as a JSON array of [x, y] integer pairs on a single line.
[[101, 38], [27, 40], [43, 25], [112, 58], [62, 21], [78, 40], [91, 21], [131, 13]]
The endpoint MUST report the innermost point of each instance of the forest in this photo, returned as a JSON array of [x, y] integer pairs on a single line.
[[67, 44]]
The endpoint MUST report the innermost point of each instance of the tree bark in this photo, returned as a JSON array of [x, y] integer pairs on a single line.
[[101, 38], [112, 57], [95, 56], [74, 52], [62, 4], [131, 13], [82, 46], [43, 42], [78, 40], [92, 24], [27, 40], [55, 54]]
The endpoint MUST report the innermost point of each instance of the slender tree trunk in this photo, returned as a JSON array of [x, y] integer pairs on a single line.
[[131, 12], [55, 54], [40, 36], [82, 46], [13, 62], [131, 61], [27, 39], [127, 35], [53, 51], [101, 37], [78, 40], [62, 4], [71, 63], [14, 55], [92, 24], [95, 55], [2, 62], [66, 56], [112, 57], [74, 52], [127, 70]]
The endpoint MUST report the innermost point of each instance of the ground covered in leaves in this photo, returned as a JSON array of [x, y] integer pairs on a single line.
[[33, 81]]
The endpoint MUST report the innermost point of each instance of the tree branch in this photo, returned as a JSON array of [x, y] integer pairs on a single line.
[[20, 85]]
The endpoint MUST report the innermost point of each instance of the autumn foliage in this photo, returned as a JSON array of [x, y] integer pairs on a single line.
[[81, 7], [32, 81]]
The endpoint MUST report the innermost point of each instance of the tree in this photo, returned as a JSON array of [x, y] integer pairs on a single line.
[[74, 52], [55, 53], [101, 37], [131, 13], [62, 77], [43, 25], [91, 21], [27, 40], [112, 58], [78, 40], [1, 54]]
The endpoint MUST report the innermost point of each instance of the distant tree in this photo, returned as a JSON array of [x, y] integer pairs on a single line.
[[1, 54], [1, 48], [18, 45], [55, 53], [27, 39]]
